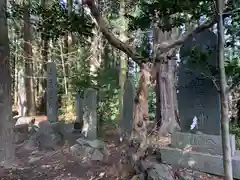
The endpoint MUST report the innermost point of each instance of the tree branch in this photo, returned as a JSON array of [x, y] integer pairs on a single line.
[[114, 41], [166, 46], [162, 48]]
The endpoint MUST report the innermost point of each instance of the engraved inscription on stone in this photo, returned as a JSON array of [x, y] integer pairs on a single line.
[[200, 143]]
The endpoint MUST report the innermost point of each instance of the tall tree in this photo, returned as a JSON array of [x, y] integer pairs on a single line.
[[149, 14], [67, 44], [166, 91], [227, 160], [7, 153], [28, 55], [123, 57], [45, 37]]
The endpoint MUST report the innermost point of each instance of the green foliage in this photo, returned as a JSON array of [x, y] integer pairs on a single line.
[[168, 14], [232, 66], [81, 77], [108, 102], [53, 21], [235, 129], [152, 104], [144, 45]]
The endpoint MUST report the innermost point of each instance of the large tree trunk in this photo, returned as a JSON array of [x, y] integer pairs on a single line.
[[28, 55], [138, 141], [7, 153], [166, 91], [44, 55]]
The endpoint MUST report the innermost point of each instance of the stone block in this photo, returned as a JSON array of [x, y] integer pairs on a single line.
[[90, 114], [204, 143], [207, 163]]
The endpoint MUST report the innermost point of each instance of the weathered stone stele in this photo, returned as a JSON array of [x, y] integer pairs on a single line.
[[90, 113], [128, 105], [52, 111], [198, 95], [79, 108]]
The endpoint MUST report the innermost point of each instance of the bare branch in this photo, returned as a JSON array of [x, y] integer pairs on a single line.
[[166, 46]]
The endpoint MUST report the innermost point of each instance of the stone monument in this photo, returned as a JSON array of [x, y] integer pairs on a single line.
[[79, 107], [128, 107], [198, 98], [52, 111], [90, 114]]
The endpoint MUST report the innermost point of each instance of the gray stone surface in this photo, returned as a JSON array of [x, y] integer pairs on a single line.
[[95, 150], [31, 143], [20, 137], [128, 105], [79, 108], [52, 110], [45, 127], [97, 144], [76, 150], [160, 172], [90, 114], [198, 95], [201, 142], [97, 156], [207, 163]]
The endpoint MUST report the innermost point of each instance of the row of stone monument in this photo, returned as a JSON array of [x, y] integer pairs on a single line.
[[198, 97], [86, 106]]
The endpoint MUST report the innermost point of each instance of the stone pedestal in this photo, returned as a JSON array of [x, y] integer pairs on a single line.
[[200, 152]]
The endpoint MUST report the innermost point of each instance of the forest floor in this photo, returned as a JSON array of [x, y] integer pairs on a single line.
[[56, 165]]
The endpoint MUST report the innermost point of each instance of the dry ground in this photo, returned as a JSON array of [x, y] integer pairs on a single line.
[[35, 165]]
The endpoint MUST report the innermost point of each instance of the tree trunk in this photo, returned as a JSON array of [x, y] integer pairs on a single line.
[[67, 36], [158, 98], [165, 75], [22, 97], [136, 152], [227, 160], [123, 57], [64, 68], [28, 54], [7, 153], [140, 114], [44, 56], [14, 71]]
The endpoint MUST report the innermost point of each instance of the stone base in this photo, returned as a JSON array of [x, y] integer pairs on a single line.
[[207, 163], [204, 143]]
